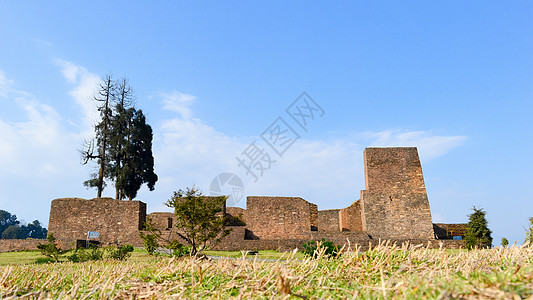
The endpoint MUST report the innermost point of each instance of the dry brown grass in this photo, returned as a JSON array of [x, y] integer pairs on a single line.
[[384, 272]]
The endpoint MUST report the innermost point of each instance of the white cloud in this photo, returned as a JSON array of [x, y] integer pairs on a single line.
[[178, 102], [429, 146], [43, 43], [5, 84], [40, 151], [326, 172], [33, 145], [85, 84], [38, 155]]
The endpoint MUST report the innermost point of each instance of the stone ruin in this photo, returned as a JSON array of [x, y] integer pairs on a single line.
[[393, 206]]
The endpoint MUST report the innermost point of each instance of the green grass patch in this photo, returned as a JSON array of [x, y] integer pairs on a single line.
[[383, 272], [264, 254], [21, 257]]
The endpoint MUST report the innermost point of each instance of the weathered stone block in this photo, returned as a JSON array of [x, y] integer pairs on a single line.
[[328, 220], [350, 217], [395, 203], [280, 217], [116, 221]]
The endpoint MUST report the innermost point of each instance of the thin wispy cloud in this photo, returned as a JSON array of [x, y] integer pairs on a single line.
[[84, 85], [430, 146], [187, 150], [38, 150], [5, 84], [326, 172], [178, 102], [34, 144]]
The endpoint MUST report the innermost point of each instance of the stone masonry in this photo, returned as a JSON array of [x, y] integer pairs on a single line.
[[393, 206], [116, 221], [280, 217], [394, 203], [350, 217]]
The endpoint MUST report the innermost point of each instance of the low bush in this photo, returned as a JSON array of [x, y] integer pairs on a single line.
[[121, 252], [51, 249], [314, 248], [93, 253], [44, 260], [150, 239], [178, 249], [505, 242]]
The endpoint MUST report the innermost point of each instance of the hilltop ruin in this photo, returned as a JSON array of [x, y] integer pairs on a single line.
[[393, 206]]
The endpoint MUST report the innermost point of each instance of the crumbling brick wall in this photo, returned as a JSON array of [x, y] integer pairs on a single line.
[[280, 217], [162, 220], [328, 220], [26, 244], [116, 221], [350, 217], [448, 231], [394, 203], [236, 216]]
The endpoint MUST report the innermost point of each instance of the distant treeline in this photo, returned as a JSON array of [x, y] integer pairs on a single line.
[[10, 228]]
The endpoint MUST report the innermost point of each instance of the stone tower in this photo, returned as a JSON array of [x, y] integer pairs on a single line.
[[394, 203]]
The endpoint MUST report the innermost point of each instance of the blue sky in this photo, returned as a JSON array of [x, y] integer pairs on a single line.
[[451, 78]]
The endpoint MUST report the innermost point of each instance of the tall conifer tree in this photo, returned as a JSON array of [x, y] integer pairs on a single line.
[[478, 233], [124, 143]]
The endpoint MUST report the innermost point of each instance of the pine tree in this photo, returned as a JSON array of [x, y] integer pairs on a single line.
[[124, 142], [103, 98], [136, 158], [529, 232], [478, 233]]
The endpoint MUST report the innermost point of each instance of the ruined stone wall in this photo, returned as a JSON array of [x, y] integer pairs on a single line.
[[19, 245], [280, 217], [448, 231], [236, 216], [26, 244], [350, 217], [328, 220], [162, 220], [117, 221], [395, 203]]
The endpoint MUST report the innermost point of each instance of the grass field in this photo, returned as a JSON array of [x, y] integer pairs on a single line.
[[384, 272]]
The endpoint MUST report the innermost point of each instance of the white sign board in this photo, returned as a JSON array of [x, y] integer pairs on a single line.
[[93, 234]]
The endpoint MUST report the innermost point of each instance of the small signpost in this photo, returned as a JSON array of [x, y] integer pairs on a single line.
[[91, 235]]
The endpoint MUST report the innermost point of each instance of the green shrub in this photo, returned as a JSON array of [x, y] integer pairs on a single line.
[[314, 248], [529, 232], [44, 260], [150, 239], [92, 254], [51, 249], [178, 249], [505, 242], [121, 252]]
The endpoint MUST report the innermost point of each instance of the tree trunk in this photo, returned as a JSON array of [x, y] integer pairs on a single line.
[[104, 138]]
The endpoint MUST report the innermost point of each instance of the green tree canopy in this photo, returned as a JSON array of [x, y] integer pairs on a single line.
[[6, 220], [14, 232], [529, 232], [10, 228], [123, 143], [199, 218], [35, 230], [478, 233]]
